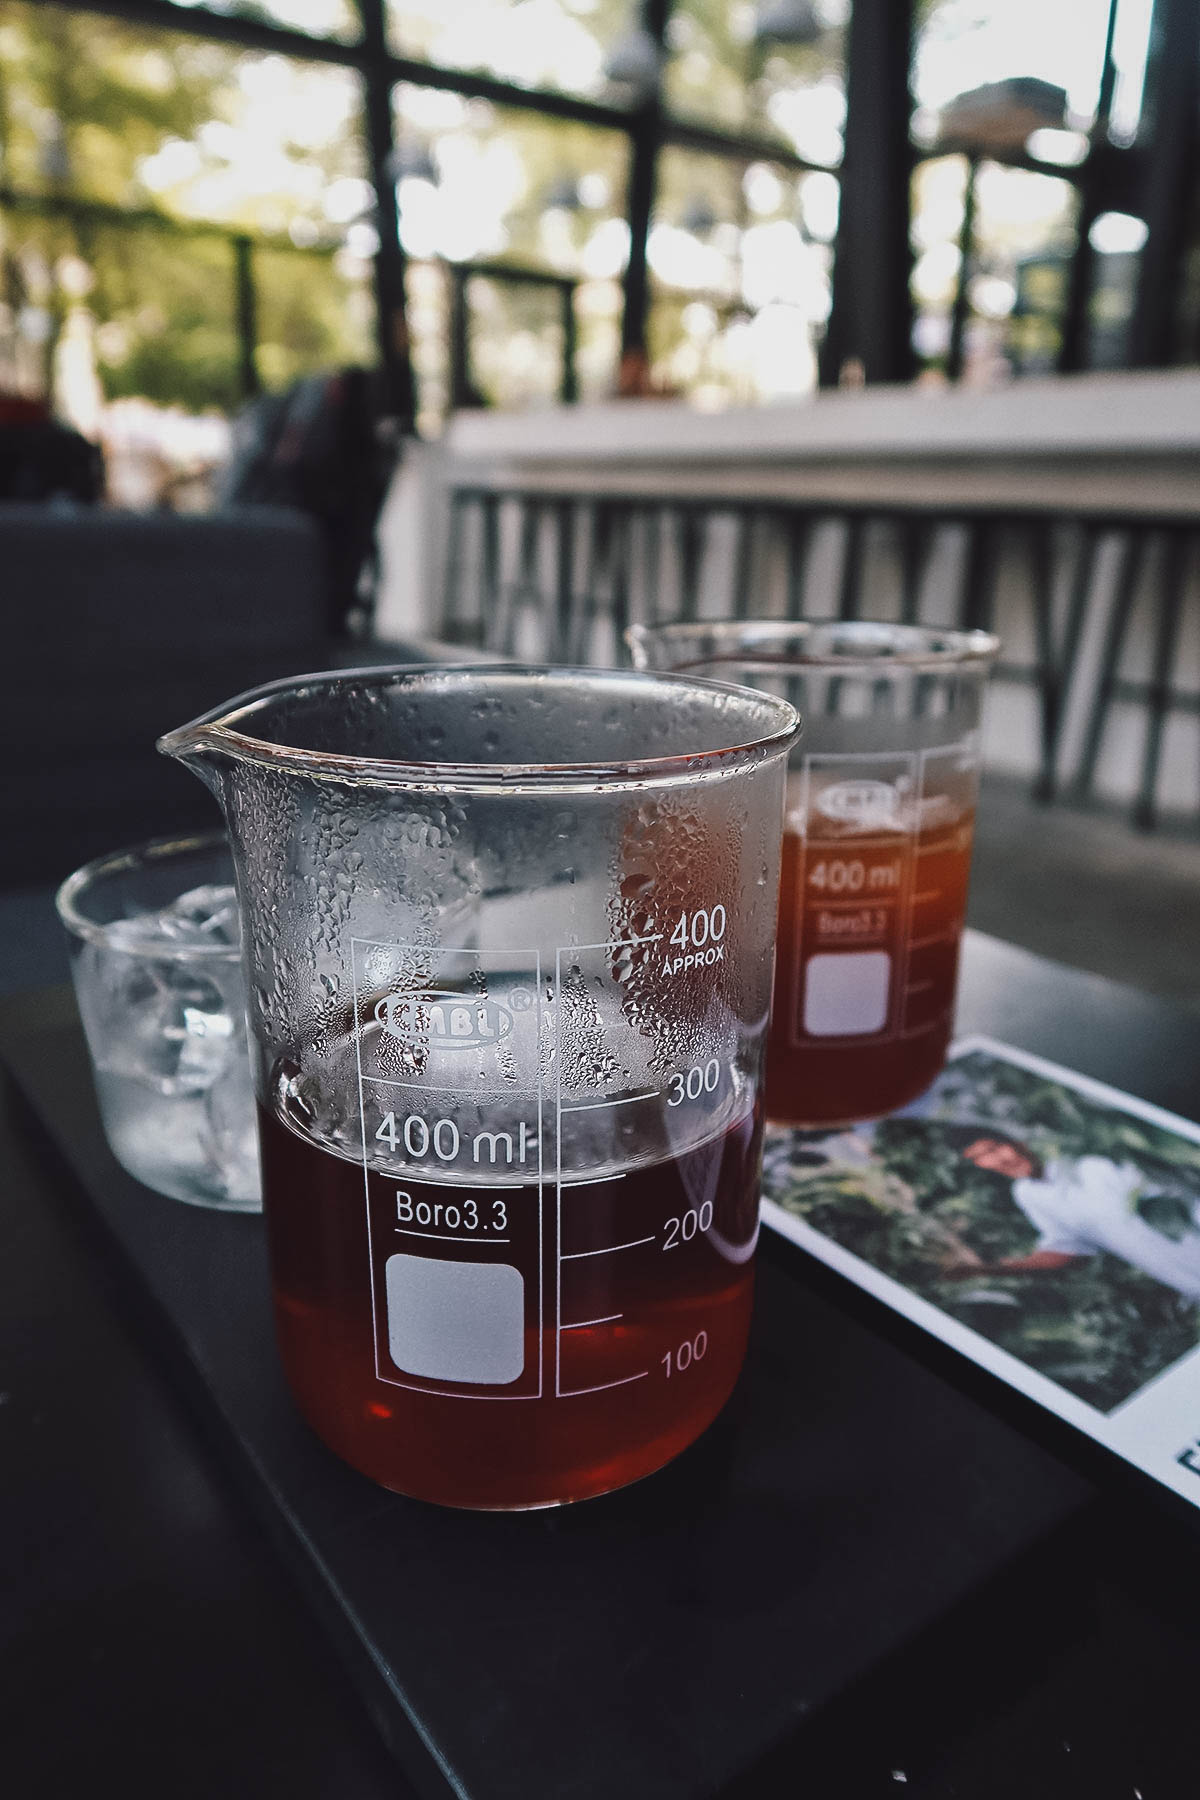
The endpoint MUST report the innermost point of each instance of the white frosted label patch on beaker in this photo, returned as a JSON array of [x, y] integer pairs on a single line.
[[456, 1321], [846, 994]]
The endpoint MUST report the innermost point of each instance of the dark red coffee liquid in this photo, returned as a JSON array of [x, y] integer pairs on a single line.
[[637, 1294], [905, 899]]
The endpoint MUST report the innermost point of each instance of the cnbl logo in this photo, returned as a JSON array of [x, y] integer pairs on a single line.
[[870, 805], [441, 1016]]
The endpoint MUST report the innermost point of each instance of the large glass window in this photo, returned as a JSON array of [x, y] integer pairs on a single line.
[[740, 257], [105, 128], [427, 301], [1021, 244], [1005, 81], [161, 314], [322, 18], [516, 342], [87, 100], [477, 181], [480, 184], [773, 68], [315, 312], [961, 46], [966, 53], [939, 189], [100, 117], [281, 150], [558, 44], [1016, 291], [98, 110]]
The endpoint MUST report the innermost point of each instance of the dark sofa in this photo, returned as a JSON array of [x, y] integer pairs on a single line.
[[118, 626]]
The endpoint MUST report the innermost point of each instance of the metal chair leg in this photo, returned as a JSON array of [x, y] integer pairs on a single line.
[[1132, 554], [1159, 699], [915, 542], [743, 564], [798, 528], [1049, 674], [850, 591]]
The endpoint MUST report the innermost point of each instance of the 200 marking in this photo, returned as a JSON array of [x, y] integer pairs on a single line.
[[684, 1229]]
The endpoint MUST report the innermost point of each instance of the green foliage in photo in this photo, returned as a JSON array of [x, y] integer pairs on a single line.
[[918, 1211]]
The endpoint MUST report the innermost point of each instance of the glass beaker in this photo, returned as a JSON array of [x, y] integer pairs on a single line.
[[158, 976], [508, 936], [876, 849]]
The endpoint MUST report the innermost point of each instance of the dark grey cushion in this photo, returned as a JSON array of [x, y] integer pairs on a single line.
[[116, 627], [86, 581]]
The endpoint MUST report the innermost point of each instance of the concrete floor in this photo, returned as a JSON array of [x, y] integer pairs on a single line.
[[1087, 889], [1081, 887]]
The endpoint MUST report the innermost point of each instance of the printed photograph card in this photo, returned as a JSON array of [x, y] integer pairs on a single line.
[[1041, 1223]]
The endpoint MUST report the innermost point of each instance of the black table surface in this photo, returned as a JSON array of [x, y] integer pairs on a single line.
[[870, 1577]]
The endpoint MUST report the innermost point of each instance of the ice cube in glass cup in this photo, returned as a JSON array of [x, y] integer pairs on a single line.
[[165, 1023], [157, 974]]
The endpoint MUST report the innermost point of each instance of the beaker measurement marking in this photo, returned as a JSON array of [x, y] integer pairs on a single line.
[[612, 944], [865, 903], [573, 1393], [821, 759], [934, 1024], [608, 1249], [938, 937], [897, 842], [449, 1237], [582, 1324], [918, 987], [558, 1256], [929, 894], [446, 1177], [627, 1100], [462, 1393], [429, 1087], [940, 845], [426, 950]]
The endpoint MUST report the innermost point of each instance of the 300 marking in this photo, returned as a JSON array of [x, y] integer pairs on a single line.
[[690, 1084], [684, 1355]]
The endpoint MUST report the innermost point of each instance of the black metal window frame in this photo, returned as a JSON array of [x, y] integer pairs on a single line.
[[870, 320]]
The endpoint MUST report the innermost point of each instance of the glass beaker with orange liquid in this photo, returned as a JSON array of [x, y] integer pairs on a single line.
[[877, 841], [508, 960]]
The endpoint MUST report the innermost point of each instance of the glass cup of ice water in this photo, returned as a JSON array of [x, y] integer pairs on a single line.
[[157, 968]]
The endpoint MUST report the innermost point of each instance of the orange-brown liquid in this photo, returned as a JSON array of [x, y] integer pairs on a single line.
[[896, 903], [626, 1357]]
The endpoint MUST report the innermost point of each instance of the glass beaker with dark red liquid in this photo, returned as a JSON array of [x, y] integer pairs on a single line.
[[876, 848], [508, 937]]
